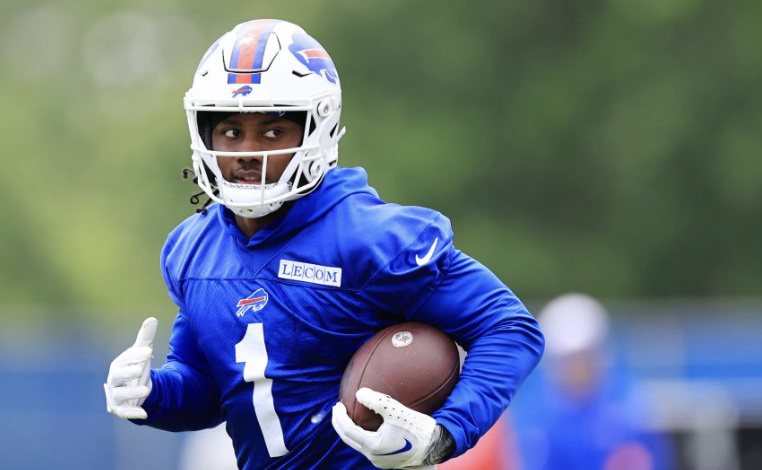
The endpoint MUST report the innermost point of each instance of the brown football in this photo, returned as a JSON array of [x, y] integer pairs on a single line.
[[414, 363]]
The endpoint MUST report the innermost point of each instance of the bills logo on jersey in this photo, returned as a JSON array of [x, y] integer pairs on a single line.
[[255, 302], [243, 91], [310, 53]]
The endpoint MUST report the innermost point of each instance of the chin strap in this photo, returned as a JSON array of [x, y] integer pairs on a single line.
[[442, 446]]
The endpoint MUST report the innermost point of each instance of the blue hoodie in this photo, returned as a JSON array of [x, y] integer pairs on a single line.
[[267, 324]]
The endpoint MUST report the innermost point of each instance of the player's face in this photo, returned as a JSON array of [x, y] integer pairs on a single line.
[[254, 132]]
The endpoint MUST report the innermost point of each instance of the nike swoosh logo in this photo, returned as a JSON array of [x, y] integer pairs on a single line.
[[425, 259], [405, 448]]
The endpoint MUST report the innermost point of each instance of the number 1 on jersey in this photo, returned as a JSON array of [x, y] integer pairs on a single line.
[[252, 352]]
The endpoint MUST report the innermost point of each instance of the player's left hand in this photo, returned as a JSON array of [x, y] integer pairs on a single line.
[[403, 440]]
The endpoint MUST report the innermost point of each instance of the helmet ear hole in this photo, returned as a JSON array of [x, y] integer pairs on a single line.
[[316, 169], [325, 108]]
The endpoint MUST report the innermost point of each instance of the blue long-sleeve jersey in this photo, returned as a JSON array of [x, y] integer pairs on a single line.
[[267, 324]]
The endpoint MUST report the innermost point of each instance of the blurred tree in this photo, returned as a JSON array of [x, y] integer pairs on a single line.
[[601, 145]]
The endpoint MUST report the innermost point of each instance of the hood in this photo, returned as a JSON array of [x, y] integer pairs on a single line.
[[338, 184]]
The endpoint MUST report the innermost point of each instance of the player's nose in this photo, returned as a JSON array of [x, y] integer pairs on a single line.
[[251, 144]]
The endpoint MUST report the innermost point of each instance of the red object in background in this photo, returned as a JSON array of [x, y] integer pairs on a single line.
[[496, 450]]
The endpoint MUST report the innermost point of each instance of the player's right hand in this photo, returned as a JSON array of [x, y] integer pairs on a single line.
[[129, 377]]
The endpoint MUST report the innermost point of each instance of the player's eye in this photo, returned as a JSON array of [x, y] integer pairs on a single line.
[[273, 133], [232, 133]]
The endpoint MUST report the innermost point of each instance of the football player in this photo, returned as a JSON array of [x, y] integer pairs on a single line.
[[293, 266]]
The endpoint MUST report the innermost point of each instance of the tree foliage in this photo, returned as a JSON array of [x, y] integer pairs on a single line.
[[604, 146]]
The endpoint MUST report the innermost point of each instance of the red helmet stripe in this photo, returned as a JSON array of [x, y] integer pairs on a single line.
[[249, 50]]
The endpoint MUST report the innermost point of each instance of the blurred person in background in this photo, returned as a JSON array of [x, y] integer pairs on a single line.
[[294, 267], [584, 416]]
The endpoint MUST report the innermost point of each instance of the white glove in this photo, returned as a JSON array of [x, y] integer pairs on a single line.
[[129, 377], [402, 441]]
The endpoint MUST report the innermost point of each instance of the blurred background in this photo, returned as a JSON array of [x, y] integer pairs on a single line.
[[607, 147]]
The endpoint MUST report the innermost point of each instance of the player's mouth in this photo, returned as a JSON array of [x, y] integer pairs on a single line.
[[242, 176]]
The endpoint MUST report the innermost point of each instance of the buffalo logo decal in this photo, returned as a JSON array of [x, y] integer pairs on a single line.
[[243, 91], [310, 53]]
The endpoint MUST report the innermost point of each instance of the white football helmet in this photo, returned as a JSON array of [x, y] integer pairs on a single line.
[[267, 66]]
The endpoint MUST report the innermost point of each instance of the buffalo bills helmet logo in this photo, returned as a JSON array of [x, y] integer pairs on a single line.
[[244, 90], [255, 302], [310, 53]]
